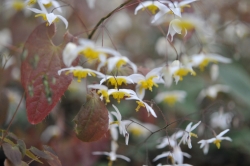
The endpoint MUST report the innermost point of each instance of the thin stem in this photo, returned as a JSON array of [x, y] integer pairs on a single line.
[[6, 132], [104, 18]]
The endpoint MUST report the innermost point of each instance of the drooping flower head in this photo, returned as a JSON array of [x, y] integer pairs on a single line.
[[117, 80], [102, 90], [171, 97]]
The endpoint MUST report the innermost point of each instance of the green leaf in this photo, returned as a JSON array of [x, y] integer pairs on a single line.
[[32, 156], [22, 146]]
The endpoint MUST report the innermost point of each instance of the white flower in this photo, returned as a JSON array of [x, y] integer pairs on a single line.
[[102, 90], [178, 26], [202, 60], [172, 140], [112, 155], [119, 94], [147, 82], [121, 124], [178, 71], [50, 3], [117, 62], [213, 91], [171, 97], [80, 72], [188, 134], [113, 128], [214, 72], [221, 119], [133, 96], [152, 6], [49, 17], [117, 80], [69, 54], [176, 156], [217, 140]]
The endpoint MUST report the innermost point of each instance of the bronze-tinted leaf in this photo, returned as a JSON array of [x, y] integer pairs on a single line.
[[43, 86], [22, 146], [92, 120], [54, 161], [12, 153]]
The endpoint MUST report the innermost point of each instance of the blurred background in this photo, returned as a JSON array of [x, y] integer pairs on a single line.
[[224, 29]]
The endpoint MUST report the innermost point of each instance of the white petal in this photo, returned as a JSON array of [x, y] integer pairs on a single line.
[[64, 20]]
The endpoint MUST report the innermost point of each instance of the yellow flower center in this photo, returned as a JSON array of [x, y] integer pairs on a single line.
[[183, 72], [205, 62], [115, 122], [140, 104], [81, 74], [18, 5], [105, 95], [120, 63], [31, 2], [217, 143], [47, 5], [147, 84], [152, 8], [90, 54], [119, 95], [117, 81], [171, 100], [136, 131], [185, 24], [45, 18], [193, 135]]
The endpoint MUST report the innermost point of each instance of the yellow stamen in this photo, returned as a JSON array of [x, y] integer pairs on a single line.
[[183, 72], [152, 8], [82, 74], [31, 2], [205, 62], [18, 5], [90, 54], [182, 7], [47, 5], [136, 131], [117, 81], [185, 24], [193, 135], [42, 15], [115, 122], [217, 143], [105, 95], [147, 84], [120, 63], [171, 100], [119, 95], [140, 104]]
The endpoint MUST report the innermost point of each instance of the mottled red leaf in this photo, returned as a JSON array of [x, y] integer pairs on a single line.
[[92, 120], [41, 61]]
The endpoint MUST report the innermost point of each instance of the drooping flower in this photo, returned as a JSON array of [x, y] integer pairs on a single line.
[[69, 54], [80, 72], [178, 71], [179, 26], [50, 3], [119, 94], [171, 97], [176, 156], [49, 17], [121, 124], [102, 90], [147, 82], [212, 91], [202, 60], [141, 103], [217, 140], [188, 134], [112, 156], [170, 140], [221, 119], [117, 80]]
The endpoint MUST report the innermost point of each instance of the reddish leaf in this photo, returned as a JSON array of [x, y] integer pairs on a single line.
[[54, 161], [92, 120], [41, 61], [4, 106]]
